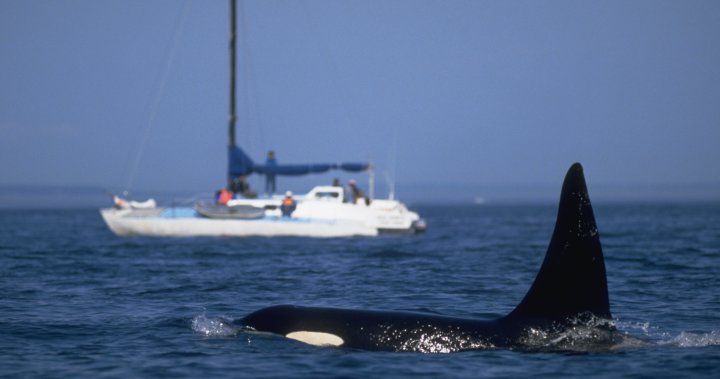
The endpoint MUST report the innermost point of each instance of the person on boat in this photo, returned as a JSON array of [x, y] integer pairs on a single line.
[[120, 203], [223, 196], [240, 186], [357, 196], [237, 184], [336, 183], [288, 205], [271, 163]]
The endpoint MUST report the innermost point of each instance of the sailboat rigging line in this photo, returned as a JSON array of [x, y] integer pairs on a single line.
[[160, 89], [391, 185], [233, 47], [392, 175], [249, 117]]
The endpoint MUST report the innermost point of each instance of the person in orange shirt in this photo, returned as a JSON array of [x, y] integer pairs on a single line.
[[288, 205], [224, 196]]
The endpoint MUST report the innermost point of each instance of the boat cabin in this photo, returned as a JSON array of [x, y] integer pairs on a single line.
[[331, 194]]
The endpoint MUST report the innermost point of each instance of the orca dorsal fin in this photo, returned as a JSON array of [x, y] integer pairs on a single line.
[[572, 278]]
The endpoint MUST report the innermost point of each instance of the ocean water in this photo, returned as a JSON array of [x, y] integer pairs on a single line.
[[77, 301]]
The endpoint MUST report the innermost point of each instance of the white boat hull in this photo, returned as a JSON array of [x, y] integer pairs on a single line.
[[318, 214], [123, 223]]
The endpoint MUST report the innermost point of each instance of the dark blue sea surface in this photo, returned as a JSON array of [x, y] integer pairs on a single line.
[[77, 301]]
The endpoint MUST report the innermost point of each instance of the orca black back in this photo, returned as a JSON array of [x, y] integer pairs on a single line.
[[570, 283]]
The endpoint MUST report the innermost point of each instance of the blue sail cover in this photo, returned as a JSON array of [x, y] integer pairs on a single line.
[[241, 165]]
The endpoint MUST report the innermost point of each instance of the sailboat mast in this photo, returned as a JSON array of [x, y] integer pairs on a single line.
[[233, 32]]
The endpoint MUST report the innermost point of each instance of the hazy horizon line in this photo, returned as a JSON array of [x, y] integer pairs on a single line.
[[17, 196]]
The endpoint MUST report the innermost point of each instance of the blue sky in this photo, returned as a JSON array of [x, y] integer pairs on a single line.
[[133, 94]]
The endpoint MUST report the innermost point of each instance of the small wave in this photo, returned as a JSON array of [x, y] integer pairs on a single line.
[[213, 327], [659, 337], [585, 333], [638, 328], [687, 339]]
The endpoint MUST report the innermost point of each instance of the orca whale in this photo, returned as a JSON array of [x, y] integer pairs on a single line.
[[566, 308]]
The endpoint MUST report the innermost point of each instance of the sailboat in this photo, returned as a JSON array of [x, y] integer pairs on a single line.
[[325, 211]]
